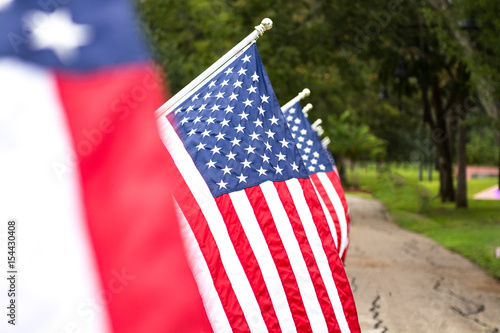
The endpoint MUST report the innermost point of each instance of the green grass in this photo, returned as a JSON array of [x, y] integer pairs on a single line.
[[414, 205], [359, 194]]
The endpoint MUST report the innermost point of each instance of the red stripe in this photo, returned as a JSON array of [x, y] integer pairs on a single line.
[[281, 260], [338, 272], [305, 248], [329, 205], [199, 224], [248, 261], [125, 183]]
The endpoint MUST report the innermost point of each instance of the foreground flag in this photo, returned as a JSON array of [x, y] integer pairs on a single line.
[[322, 170], [84, 180], [262, 251]]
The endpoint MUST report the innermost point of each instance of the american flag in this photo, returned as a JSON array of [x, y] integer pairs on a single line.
[[261, 249], [86, 176], [323, 172]]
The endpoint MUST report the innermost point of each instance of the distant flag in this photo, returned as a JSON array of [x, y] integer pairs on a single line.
[[261, 248], [85, 177], [323, 172]]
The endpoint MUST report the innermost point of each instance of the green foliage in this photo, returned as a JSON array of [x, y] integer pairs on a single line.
[[479, 147], [477, 48], [354, 141], [425, 198], [189, 35]]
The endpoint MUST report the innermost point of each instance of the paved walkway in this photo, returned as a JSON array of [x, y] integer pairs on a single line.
[[491, 193], [404, 282]]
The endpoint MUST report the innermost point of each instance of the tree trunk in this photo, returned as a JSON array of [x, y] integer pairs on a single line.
[[486, 85], [452, 123], [341, 170], [446, 190], [441, 139], [461, 200]]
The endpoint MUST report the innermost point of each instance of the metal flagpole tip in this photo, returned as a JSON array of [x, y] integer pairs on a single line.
[[317, 127], [265, 24], [307, 108], [316, 123], [304, 93], [325, 142]]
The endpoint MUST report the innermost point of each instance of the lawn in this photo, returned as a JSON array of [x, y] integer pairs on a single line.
[[473, 232]]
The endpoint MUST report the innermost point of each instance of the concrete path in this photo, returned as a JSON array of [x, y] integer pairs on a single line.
[[404, 282], [491, 193]]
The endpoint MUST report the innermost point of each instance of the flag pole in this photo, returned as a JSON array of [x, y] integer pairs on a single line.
[[304, 93], [316, 126], [307, 108], [325, 142], [265, 25]]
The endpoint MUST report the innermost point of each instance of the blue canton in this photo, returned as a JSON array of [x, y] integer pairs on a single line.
[[76, 35], [315, 157], [234, 129]]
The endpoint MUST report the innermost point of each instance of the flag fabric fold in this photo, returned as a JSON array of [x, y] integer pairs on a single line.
[[86, 177], [323, 173], [261, 249]]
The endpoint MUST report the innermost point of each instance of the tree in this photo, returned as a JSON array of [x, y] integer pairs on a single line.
[[352, 141], [189, 35], [410, 63], [480, 50]]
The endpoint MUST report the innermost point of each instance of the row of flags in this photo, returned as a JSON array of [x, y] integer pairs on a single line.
[[323, 173], [254, 237], [266, 255]]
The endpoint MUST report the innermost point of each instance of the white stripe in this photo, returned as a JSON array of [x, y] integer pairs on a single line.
[[267, 266], [339, 209], [292, 248], [205, 200], [346, 209], [328, 216], [318, 251], [202, 276], [58, 283]]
